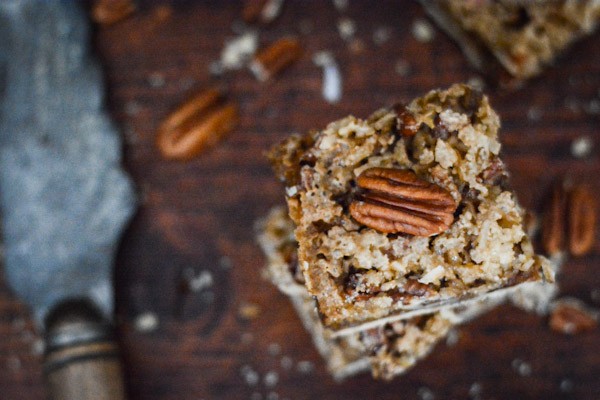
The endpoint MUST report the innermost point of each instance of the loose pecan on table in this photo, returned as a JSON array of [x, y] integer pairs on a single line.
[[196, 125], [553, 225], [581, 221], [569, 221], [571, 317], [397, 201], [275, 58]]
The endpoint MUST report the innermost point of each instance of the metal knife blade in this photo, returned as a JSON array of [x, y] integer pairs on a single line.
[[64, 198]]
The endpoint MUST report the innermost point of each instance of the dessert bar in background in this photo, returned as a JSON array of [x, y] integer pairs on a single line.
[[522, 36]]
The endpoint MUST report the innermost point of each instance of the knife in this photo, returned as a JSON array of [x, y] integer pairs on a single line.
[[63, 196]]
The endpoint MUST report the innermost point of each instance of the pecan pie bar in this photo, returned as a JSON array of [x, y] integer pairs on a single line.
[[524, 36], [405, 212], [387, 350]]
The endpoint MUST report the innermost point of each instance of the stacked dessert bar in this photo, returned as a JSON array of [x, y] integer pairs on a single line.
[[399, 227]]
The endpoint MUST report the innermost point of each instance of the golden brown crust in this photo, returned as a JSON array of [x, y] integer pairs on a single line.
[[360, 274], [388, 350]]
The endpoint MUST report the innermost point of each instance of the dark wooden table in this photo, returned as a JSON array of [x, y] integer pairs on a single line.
[[198, 216]]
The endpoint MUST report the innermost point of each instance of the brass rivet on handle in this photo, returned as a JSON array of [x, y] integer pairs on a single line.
[[196, 125]]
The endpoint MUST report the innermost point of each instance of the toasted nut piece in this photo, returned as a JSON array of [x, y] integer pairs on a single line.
[[108, 12], [198, 124], [275, 58], [581, 221], [395, 200], [553, 224], [495, 173], [570, 316], [405, 122]]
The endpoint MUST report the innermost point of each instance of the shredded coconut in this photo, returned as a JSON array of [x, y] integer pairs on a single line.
[[332, 78], [423, 31], [146, 322], [239, 50], [582, 147]]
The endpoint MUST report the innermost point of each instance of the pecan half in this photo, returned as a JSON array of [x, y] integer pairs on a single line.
[[553, 225], [196, 125], [571, 317], [395, 200], [569, 221], [581, 221], [275, 58]]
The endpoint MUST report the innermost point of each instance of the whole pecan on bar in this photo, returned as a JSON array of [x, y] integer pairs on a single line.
[[581, 221], [394, 200], [108, 12], [275, 58], [197, 124]]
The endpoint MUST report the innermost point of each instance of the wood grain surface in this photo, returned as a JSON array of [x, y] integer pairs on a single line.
[[197, 217]]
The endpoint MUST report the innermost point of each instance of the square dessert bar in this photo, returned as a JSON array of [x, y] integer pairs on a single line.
[[405, 212], [523, 36], [388, 350]]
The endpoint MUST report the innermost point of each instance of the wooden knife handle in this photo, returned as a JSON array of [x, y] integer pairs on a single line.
[[82, 362]]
